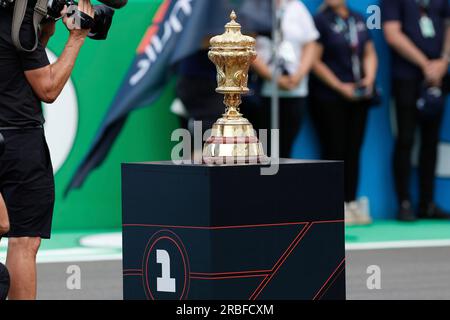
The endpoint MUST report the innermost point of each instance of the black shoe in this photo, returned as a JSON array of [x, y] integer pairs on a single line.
[[433, 212], [406, 212]]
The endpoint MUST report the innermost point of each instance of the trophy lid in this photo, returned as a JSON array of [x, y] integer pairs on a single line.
[[232, 38]]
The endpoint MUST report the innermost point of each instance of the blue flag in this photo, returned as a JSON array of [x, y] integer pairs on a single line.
[[177, 31]]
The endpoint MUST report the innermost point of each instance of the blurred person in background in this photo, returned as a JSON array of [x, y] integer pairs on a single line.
[[255, 17], [297, 53], [341, 91], [418, 33], [196, 88]]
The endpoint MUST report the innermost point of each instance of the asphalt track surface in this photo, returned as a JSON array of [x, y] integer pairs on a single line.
[[409, 273]]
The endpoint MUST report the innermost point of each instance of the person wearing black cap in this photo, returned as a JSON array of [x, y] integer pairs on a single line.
[[342, 90], [419, 35]]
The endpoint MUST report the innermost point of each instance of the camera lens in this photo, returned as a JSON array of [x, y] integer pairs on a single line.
[[54, 8]]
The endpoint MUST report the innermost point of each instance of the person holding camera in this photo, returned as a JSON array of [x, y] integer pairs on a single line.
[[26, 175], [418, 32], [341, 91]]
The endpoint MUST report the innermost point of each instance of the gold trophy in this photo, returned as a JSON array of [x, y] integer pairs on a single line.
[[233, 139]]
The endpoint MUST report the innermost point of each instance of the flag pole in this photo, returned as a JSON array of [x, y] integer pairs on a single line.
[[275, 101]]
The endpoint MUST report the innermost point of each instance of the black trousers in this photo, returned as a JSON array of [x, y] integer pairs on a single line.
[[291, 116], [406, 94], [341, 127]]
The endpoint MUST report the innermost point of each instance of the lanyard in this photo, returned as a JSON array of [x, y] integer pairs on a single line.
[[426, 24], [424, 7], [352, 36], [351, 32], [281, 11]]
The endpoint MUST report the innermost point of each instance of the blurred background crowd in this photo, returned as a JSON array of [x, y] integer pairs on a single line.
[[362, 81], [328, 66]]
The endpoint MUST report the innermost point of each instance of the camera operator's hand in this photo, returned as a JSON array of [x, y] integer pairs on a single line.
[[73, 24]]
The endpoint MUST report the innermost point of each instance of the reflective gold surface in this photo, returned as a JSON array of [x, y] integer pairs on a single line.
[[233, 139]]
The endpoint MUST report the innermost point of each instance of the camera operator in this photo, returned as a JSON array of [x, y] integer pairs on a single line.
[[26, 174]]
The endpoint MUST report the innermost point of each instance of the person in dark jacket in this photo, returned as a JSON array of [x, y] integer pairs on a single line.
[[343, 82]]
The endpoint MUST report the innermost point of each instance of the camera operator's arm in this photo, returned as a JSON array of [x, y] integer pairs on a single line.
[[49, 81]]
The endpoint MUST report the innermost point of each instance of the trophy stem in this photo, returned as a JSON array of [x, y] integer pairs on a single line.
[[232, 102]]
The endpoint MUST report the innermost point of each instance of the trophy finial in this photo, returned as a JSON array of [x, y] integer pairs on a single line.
[[233, 16]]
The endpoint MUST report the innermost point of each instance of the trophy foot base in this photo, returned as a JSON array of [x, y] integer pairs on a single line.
[[236, 160], [233, 141]]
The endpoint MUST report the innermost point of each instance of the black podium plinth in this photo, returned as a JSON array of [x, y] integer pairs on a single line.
[[228, 232]]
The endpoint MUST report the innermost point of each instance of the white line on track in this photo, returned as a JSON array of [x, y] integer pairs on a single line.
[[70, 255], [398, 244]]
